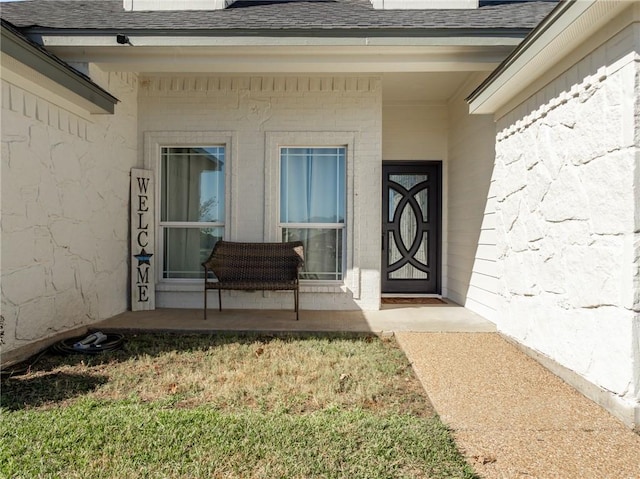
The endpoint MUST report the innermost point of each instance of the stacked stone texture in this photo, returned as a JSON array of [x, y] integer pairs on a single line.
[[566, 166]]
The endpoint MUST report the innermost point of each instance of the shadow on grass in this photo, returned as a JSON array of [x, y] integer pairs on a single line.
[[155, 344], [331, 404], [45, 378], [35, 391]]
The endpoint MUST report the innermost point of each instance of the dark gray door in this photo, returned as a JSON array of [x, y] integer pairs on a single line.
[[411, 206]]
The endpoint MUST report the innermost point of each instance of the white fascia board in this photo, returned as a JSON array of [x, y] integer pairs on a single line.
[[569, 25], [24, 58], [283, 54], [273, 54], [15, 72], [289, 59], [83, 41]]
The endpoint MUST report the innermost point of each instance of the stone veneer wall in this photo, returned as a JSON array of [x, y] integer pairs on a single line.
[[65, 197], [258, 113], [567, 168]]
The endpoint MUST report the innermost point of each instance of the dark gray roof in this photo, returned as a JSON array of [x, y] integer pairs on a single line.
[[275, 17], [36, 57]]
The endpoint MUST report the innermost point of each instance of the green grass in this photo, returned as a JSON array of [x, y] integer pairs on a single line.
[[210, 406]]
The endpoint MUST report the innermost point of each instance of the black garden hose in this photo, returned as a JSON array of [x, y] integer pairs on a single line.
[[21, 368], [113, 342]]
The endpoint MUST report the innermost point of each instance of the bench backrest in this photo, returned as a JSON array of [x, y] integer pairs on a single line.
[[251, 262]]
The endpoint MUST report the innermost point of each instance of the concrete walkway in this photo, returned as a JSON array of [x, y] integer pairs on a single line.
[[511, 417]]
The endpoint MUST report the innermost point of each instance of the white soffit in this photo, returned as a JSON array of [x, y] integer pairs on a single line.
[[275, 55], [571, 24], [52, 40], [271, 60]]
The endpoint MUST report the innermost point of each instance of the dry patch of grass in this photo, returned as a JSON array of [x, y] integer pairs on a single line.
[[232, 373], [216, 406]]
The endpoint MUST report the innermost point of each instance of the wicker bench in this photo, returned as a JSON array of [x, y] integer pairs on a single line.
[[253, 267]]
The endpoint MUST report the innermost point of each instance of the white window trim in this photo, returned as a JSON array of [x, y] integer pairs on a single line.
[[334, 226], [154, 141], [309, 139]]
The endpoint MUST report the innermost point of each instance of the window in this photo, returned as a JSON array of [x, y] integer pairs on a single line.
[[312, 207], [192, 216]]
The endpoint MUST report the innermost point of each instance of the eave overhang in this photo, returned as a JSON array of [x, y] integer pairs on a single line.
[[569, 25], [25, 54], [284, 51]]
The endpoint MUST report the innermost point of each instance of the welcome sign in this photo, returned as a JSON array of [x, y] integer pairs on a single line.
[[142, 241]]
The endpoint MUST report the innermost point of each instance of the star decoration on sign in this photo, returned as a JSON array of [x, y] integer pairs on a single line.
[[143, 257]]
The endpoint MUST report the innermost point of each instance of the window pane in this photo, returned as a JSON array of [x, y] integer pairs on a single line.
[[408, 271], [422, 197], [193, 184], [312, 185], [186, 248], [395, 198], [408, 181], [421, 255], [322, 251]]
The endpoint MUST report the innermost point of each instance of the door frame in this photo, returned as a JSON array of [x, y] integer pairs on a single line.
[[436, 165]]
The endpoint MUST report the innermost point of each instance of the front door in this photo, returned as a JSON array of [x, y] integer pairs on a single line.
[[411, 206]]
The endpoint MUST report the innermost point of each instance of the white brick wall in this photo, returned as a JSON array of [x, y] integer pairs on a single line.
[[330, 109], [65, 194], [567, 224]]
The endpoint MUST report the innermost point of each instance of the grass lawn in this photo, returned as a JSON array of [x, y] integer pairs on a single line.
[[196, 406]]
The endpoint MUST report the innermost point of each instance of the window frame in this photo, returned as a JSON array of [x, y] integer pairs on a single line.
[[327, 226], [165, 225], [307, 139], [155, 142]]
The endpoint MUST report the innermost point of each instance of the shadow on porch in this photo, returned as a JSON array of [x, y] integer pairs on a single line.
[[448, 317]]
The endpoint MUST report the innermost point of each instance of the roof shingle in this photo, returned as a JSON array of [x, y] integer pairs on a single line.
[[321, 16]]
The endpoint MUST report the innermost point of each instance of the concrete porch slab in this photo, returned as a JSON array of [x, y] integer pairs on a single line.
[[393, 318]]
